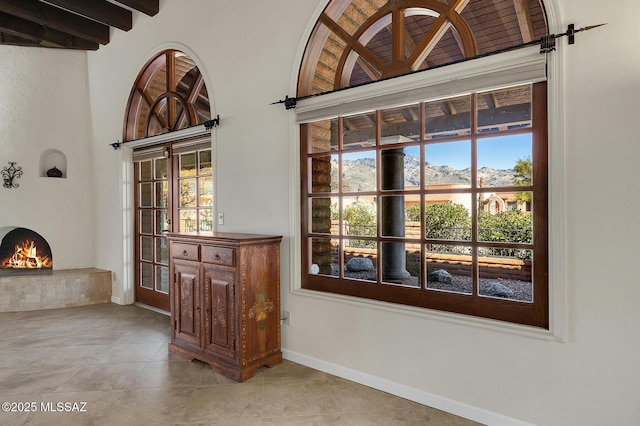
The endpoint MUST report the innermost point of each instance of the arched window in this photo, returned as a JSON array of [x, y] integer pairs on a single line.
[[425, 109], [168, 95]]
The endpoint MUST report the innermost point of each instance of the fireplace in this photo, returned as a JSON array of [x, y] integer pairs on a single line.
[[24, 252]]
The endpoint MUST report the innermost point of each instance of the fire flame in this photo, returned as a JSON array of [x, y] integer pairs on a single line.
[[26, 256]]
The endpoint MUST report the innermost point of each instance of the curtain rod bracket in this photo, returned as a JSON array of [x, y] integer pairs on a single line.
[[289, 103], [215, 122], [116, 145], [548, 43]]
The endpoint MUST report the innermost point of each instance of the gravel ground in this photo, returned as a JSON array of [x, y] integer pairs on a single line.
[[522, 290]]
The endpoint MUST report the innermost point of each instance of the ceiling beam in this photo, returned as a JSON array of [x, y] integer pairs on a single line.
[[524, 20], [38, 35], [98, 10], [148, 7], [56, 18]]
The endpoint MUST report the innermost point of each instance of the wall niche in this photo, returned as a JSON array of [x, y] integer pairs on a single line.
[[53, 164]]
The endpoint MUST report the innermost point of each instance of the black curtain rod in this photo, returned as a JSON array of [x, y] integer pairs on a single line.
[[209, 124], [547, 44]]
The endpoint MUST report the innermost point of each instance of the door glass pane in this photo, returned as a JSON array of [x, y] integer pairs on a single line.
[[359, 171], [359, 130], [146, 275], [504, 109], [146, 222], [146, 248], [188, 220], [448, 216], [187, 192], [145, 170], [206, 220], [146, 194], [161, 168], [205, 162], [188, 164], [325, 258], [448, 117], [206, 192], [162, 251], [324, 136], [324, 215], [162, 279], [324, 174], [162, 189], [162, 221], [360, 260]]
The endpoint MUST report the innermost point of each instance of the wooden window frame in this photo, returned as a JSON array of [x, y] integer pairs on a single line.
[[534, 314]]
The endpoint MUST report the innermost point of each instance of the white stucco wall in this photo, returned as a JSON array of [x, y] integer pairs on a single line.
[[46, 100], [248, 52]]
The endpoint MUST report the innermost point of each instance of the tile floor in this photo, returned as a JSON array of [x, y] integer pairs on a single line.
[[110, 364]]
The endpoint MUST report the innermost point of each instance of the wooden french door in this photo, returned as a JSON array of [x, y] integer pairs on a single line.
[[173, 193]]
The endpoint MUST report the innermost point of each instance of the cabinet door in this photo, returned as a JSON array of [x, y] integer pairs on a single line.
[[219, 303], [186, 293]]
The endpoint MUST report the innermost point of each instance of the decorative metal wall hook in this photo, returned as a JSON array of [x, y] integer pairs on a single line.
[[10, 173]]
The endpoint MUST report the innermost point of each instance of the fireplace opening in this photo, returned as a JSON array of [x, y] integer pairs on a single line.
[[23, 251]]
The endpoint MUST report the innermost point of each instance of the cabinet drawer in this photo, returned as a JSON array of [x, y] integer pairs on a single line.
[[219, 255], [185, 251]]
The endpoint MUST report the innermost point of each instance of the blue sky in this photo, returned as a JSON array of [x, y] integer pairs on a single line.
[[501, 152]]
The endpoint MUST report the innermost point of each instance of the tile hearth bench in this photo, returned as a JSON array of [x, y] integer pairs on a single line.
[[61, 289]]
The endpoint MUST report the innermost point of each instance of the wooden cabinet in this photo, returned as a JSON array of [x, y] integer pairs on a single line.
[[225, 300]]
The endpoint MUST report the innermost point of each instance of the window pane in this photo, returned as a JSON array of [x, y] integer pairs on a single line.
[[188, 164], [360, 218], [162, 189], [401, 263], [324, 136], [146, 194], [506, 273], [504, 109], [503, 218], [145, 170], [187, 192], [449, 268], [448, 117], [162, 251], [360, 260], [398, 220], [162, 279], [205, 162], [146, 248], [325, 258], [448, 165], [324, 215], [359, 131], [161, 168], [504, 161], [400, 168], [448, 217], [324, 174], [359, 171], [188, 220], [146, 221], [206, 192], [400, 124]]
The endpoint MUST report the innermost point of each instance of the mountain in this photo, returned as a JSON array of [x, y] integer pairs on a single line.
[[359, 175]]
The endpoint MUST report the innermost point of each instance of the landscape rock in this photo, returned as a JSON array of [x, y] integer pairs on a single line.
[[358, 264], [440, 276], [496, 290]]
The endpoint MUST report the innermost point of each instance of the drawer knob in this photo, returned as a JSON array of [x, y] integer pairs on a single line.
[[217, 257], [184, 253]]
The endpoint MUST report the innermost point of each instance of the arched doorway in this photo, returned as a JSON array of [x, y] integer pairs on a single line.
[[173, 181]]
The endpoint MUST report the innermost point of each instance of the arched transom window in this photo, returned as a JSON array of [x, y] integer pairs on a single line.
[[360, 41], [168, 95]]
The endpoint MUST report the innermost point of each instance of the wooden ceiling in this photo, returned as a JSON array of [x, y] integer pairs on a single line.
[[68, 24]]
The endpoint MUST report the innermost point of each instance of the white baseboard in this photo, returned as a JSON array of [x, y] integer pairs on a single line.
[[116, 300], [432, 400]]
